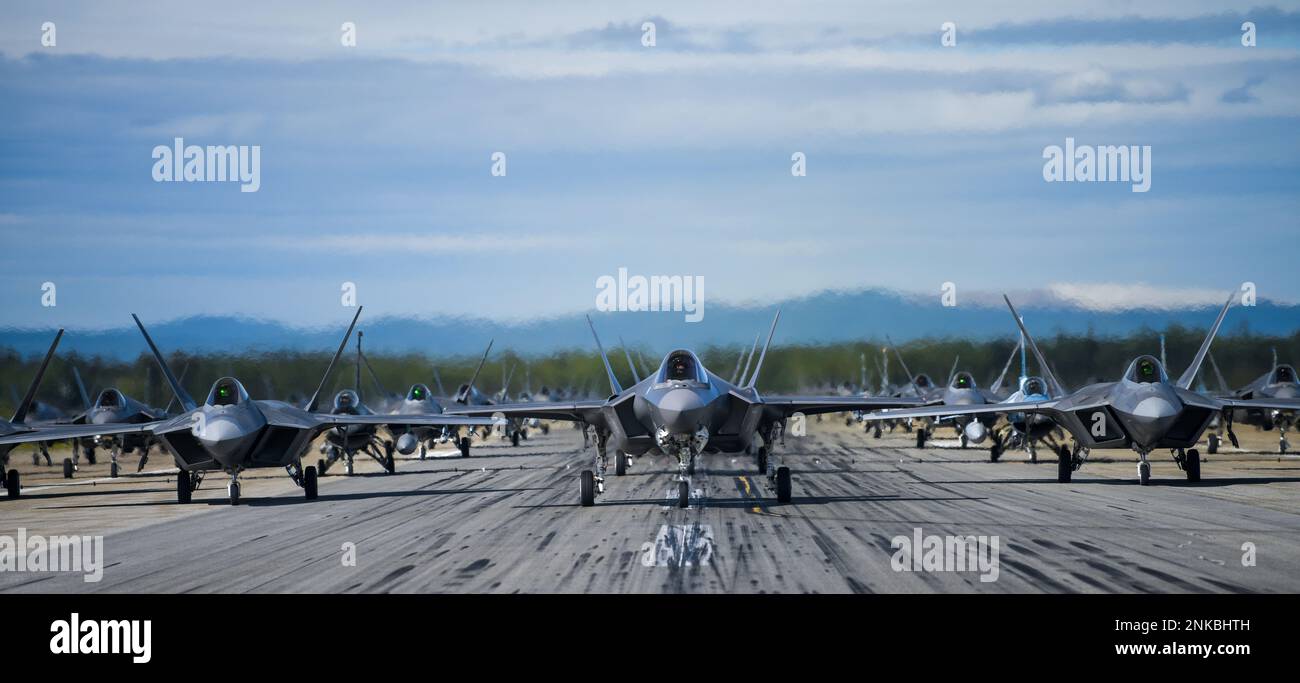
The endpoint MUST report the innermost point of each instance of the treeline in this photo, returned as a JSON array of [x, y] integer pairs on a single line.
[[1078, 359]]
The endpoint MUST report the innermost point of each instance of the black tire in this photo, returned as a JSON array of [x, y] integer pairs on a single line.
[[1213, 446], [112, 471], [963, 439], [876, 434], [234, 493], [1192, 465], [761, 459], [1144, 473], [783, 484], [183, 492], [67, 468], [309, 483], [389, 465], [620, 463], [320, 467], [523, 434], [683, 494], [587, 489], [464, 446], [690, 467], [514, 438], [90, 455], [1064, 465], [995, 452], [920, 438], [13, 484], [546, 429]]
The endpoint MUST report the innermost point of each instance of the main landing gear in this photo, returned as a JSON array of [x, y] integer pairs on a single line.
[[1190, 462], [186, 484], [592, 484]]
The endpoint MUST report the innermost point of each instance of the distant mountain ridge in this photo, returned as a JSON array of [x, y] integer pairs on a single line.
[[826, 317]]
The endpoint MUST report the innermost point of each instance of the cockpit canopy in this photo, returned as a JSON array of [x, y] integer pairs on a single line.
[[923, 380], [1033, 386], [418, 392], [963, 380], [682, 366], [109, 398], [1285, 374], [346, 401], [1146, 370], [227, 392]]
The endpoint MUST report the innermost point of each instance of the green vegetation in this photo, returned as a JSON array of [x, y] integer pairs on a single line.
[[1079, 359]]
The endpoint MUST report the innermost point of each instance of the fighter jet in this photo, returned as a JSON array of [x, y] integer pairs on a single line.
[[231, 432], [1143, 410], [1280, 382], [17, 430], [961, 390], [112, 406], [683, 410]]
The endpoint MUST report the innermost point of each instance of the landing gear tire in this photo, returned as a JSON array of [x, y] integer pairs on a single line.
[[12, 484], [683, 494], [1213, 446], [876, 433], [90, 455], [762, 459], [1064, 465], [67, 468], [112, 471], [232, 490], [1192, 465], [183, 492], [690, 468], [620, 463], [546, 429], [783, 484], [320, 467], [920, 438], [587, 488], [464, 446], [963, 440], [389, 465], [514, 438], [309, 482], [1144, 473]]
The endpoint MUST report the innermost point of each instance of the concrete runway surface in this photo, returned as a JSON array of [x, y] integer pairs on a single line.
[[507, 520]]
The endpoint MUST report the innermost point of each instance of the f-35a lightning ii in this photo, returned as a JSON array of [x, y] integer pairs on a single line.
[[683, 410], [1143, 411]]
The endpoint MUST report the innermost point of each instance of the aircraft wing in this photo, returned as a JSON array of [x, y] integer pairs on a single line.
[[60, 432], [432, 420], [943, 410], [813, 405], [1257, 403], [572, 411]]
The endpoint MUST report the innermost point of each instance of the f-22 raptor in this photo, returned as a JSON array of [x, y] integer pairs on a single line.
[[683, 410]]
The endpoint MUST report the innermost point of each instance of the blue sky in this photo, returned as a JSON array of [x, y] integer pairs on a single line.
[[924, 163]]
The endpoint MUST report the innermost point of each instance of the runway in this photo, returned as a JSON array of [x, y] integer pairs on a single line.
[[507, 520]]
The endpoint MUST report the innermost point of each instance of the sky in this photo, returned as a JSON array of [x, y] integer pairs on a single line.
[[924, 162]]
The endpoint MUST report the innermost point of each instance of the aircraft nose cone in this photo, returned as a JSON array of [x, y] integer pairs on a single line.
[[1286, 392], [976, 432], [102, 417], [680, 410], [1155, 407], [224, 439]]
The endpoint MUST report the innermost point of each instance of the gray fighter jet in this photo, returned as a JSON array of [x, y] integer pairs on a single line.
[[112, 406], [683, 410], [1143, 411], [1280, 382], [961, 390], [231, 432], [17, 430]]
